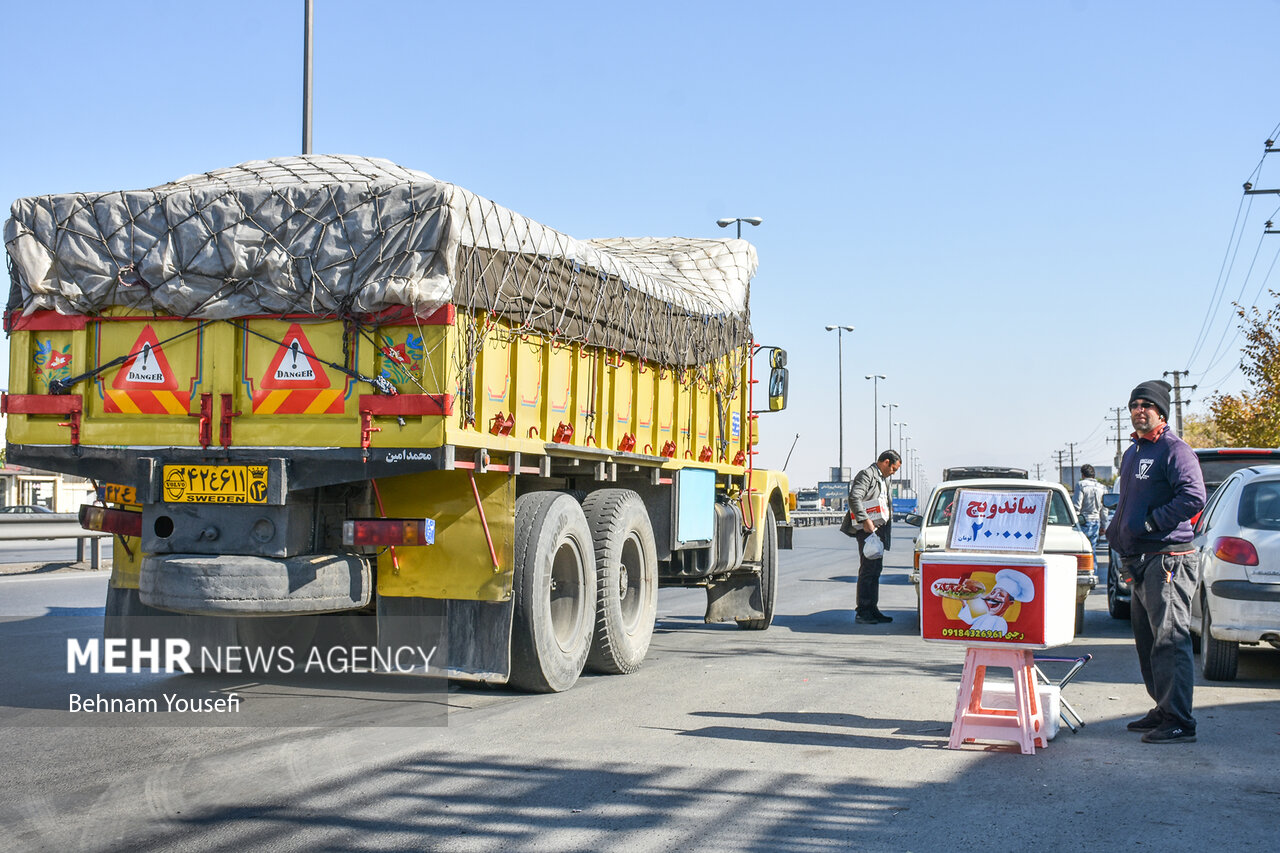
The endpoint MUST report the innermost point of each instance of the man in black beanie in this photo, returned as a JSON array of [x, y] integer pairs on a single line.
[[1155, 391], [1161, 490]]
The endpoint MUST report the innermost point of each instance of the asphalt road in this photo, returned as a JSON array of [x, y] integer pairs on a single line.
[[816, 735]]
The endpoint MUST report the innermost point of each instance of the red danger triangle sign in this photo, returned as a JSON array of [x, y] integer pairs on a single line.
[[295, 365], [146, 369]]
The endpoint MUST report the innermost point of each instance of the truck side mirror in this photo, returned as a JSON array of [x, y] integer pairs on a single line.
[[777, 389], [1110, 500]]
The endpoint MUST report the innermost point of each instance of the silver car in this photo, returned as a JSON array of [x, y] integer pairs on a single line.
[[1238, 600]]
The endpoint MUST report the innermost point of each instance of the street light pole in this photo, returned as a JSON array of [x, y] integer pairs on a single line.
[[875, 400], [750, 220], [899, 425], [890, 407], [306, 76], [840, 330], [906, 454]]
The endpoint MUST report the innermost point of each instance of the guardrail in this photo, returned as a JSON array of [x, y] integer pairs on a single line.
[[815, 517], [24, 527]]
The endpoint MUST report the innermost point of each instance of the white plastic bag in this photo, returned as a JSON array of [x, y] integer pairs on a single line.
[[872, 547]]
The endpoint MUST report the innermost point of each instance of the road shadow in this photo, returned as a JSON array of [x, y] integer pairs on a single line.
[[441, 798], [842, 621]]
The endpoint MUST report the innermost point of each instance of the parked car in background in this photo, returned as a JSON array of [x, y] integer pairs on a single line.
[[1238, 598], [1216, 465], [1219, 463], [1062, 533], [25, 508]]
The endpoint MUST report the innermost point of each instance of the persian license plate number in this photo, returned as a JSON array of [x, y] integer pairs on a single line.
[[113, 493], [215, 484]]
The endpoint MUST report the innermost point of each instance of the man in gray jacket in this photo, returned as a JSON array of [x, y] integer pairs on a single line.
[[871, 507], [1088, 500]]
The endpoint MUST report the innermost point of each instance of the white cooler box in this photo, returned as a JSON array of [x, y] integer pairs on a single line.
[[998, 600]]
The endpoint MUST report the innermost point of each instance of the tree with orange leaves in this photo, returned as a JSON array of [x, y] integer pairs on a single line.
[[1252, 419]]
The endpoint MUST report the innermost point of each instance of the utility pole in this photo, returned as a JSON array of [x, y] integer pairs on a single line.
[[1178, 388], [1119, 410], [1037, 470], [1072, 445], [1060, 453]]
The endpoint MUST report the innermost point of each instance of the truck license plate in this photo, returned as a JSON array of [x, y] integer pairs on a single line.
[[215, 484], [114, 493]]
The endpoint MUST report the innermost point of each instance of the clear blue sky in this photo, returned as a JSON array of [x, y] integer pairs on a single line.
[[1023, 207]]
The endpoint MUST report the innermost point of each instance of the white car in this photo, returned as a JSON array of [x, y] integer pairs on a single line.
[[1238, 600], [1062, 533]]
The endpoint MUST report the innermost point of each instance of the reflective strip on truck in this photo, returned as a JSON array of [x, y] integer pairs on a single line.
[[146, 402], [328, 401]]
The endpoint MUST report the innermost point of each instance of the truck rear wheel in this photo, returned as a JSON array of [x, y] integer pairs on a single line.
[[627, 568], [554, 588], [768, 574]]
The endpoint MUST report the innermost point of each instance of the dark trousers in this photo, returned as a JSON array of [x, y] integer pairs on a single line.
[[868, 598], [1161, 616]]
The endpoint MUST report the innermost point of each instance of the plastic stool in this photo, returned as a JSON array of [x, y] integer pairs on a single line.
[[1024, 724]]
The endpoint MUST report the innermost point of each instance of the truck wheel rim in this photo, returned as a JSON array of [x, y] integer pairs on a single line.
[[566, 594], [630, 576]]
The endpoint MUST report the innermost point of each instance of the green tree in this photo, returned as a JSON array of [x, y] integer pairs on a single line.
[[1203, 431], [1252, 419]]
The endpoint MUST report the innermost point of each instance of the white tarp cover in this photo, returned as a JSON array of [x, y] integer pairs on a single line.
[[348, 236]]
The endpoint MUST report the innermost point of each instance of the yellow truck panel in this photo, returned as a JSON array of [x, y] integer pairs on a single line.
[[460, 565]]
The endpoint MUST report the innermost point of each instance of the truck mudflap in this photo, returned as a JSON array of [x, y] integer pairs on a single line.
[[471, 639], [228, 585], [737, 597]]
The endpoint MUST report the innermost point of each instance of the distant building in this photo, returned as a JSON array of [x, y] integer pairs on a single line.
[[20, 486]]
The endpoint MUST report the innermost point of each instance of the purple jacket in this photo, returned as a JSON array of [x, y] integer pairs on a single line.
[[1161, 490]]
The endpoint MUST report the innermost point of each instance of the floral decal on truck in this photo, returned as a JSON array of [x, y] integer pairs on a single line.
[[402, 363], [51, 363]]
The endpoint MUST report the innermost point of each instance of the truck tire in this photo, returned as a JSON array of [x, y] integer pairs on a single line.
[[627, 569], [554, 591], [1220, 657], [1079, 618], [245, 585], [768, 574]]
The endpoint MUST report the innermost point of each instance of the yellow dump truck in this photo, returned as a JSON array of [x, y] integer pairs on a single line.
[[330, 397]]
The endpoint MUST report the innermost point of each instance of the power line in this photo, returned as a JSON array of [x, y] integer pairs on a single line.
[[1228, 257], [1256, 296], [1243, 211]]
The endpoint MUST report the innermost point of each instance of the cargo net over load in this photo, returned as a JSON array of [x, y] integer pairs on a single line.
[[358, 239]]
